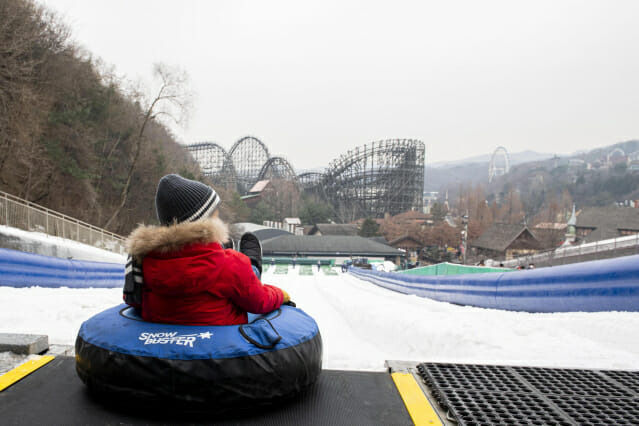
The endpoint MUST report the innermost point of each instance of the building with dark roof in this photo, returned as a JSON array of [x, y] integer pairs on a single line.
[[334, 246], [408, 243], [550, 234], [344, 229], [262, 232], [269, 233], [603, 223], [505, 241], [380, 239]]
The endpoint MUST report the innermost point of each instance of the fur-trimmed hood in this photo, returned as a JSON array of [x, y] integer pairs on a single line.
[[164, 239]]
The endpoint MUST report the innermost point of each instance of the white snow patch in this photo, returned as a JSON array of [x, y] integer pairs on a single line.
[[81, 251], [385, 266], [363, 325]]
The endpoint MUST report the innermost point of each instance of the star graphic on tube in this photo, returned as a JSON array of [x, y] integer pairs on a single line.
[[206, 335]]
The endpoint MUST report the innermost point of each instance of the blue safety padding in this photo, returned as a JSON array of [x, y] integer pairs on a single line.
[[20, 269], [601, 285], [117, 330]]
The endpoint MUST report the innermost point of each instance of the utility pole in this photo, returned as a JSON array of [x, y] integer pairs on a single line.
[[465, 235]]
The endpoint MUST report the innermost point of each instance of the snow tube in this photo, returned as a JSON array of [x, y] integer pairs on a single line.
[[273, 356]]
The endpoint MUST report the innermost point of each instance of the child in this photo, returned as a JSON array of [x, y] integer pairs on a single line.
[[188, 277]]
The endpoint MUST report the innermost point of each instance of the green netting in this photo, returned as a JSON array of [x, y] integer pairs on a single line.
[[306, 270], [298, 261], [452, 269], [327, 270], [281, 269]]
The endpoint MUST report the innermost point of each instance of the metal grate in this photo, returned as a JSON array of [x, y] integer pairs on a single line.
[[599, 411], [630, 379], [500, 409], [500, 395], [571, 382], [477, 377]]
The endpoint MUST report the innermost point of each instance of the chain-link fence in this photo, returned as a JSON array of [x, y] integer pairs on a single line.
[[22, 214], [605, 249]]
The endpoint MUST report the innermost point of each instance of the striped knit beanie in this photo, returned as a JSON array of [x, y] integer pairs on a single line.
[[184, 200]]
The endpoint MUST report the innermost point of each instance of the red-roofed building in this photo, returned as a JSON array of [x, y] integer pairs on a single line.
[[258, 192]]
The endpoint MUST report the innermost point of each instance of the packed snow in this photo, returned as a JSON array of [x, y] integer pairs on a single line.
[[42, 243], [363, 325]]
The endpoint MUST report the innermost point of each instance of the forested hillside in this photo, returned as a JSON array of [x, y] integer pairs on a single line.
[[71, 138], [545, 191], [450, 174], [588, 179]]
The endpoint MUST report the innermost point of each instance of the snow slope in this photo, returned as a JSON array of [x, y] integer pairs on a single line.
[[363, 325], [48, 245]]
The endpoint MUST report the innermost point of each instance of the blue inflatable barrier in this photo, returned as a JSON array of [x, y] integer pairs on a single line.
[[20, 269], [601, 285]]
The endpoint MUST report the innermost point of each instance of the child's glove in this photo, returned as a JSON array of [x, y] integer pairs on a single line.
[[287, 299]]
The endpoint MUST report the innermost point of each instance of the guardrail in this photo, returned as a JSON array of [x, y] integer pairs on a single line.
[[600, 285], [22, 214], [615, 247]]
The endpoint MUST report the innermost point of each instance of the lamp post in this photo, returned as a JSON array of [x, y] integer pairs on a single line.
[[465, 235]]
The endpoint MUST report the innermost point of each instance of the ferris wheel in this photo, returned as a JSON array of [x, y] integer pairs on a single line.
[[499, 163]]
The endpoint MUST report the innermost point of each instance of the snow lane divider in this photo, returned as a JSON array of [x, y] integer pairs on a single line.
[[596, 286], [23, 370], [418, 406], [21, 269]]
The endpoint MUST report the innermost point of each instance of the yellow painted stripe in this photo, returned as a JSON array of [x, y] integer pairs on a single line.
[[418, 406], [23, 370]]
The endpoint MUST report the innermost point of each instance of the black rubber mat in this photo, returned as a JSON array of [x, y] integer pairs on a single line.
[[500, 395], [54, 395]]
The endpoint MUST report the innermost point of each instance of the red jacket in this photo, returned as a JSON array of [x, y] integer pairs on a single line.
[[190, 279]]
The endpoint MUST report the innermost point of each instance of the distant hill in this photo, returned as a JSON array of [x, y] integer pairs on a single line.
[[443, 178], [450, 174], [598, 177], [444, 175], [516, 158], [628, 147]]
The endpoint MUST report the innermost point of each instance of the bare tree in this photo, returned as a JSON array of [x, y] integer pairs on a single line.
[[171, 102], [347, 210], [29, 36]]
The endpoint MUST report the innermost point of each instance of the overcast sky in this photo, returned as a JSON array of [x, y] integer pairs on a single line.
[[313, 79]]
